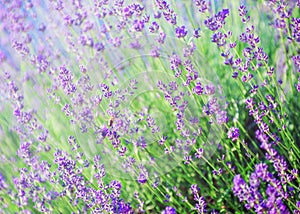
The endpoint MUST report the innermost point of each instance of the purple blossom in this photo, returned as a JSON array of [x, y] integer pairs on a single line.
[[3, 184], [169, 210], [127, 11], [161, 37], [175, 62], [201, 5], [142, 179], [93, 49], [198, 89], [233, 133], [217, 21], [157, 15], [298, 85], [196, 33], [138, 25], [181, 32], [201, 204], [261, 171], [296, 60], [65, 77], [154, 27], [219, 38], [168, 13], [243, 14], [170, 16], [240, 188], [99, 46], [199, 153]]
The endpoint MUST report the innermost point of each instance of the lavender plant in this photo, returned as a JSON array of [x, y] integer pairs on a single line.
[[149, 106]]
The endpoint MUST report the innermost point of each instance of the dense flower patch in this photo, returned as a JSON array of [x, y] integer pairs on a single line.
[[149, 106]]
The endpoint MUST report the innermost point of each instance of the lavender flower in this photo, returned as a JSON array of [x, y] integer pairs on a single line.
[[243, 13], [198, 89], [100, 72], [169, 210], [196, 33], [142, 179], [3, 184], [201, 204], [296, 60], [181, 32], [217, 21], [201, 5], [233, 133]]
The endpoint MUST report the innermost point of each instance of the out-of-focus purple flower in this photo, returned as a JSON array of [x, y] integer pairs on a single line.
[[127, 12], [155, 52], [161, 37], [233, 133], [201, 5], [138, 25], [240, 188], [168, 13], [221, 117], [199, 153], [298, 203], [142, 178], [196, 33], [262, 137], [2, 56], [157, 15], [41, 63], [209, 89], [296, 60], [254, 180], [195, 189], [99, 46], [201, 205], [262, 171], [235, 75], [188, 51], [162, 140], [154, 27], [169, 210], [135, 45], [175, 61], [3, 184], [281, 14], [65, 77], [119, 206], [298, 85], [198, 89]]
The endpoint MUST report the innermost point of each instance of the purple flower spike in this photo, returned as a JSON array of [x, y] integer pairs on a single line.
[[201, 5], [181, 32], [217, 21]]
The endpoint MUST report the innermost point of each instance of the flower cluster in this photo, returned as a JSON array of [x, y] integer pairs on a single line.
[[149, 107], [201, 204], [217, 21], [233, 133], [275, 194]]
